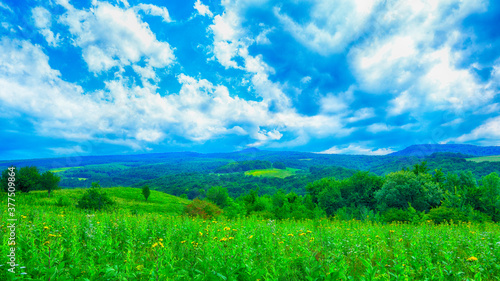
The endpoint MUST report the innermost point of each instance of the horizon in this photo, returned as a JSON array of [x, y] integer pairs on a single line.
[[228, 152], [118, 77]]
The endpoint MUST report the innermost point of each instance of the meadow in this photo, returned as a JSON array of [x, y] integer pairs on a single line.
[[152, 240], [272, 173], [485, 159]]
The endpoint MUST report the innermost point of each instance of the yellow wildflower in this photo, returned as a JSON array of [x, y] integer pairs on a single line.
[[45, 227], [290, 235], [182, 242], [227, 228], [250, 237], [472, 259], [154, 245]]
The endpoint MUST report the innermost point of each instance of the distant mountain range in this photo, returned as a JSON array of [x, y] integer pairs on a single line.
[[421, 150]]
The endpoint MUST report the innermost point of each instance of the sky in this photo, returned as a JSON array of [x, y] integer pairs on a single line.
[[345, 76]]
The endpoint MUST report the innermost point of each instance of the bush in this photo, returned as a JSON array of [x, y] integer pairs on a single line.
[[146, 192], [445, 214], [202, 208], [94, 199], [63, 202], [395, 214]]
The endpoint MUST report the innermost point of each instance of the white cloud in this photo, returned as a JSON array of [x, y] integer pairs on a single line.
[[362, 114], [333, 26], [43, 22], [378, 127], [154, 11], [6, 7], [110, 36], [203, 10], [487, 133], [416, 57], [357, 150]]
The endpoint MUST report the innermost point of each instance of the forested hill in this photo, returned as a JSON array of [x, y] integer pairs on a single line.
[[422, 150]]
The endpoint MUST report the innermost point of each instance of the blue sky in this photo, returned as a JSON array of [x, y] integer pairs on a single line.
[[345, 76]]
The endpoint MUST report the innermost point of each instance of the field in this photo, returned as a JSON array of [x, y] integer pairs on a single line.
[[272, 173], [58, 170], [151, 241], [485, 159]]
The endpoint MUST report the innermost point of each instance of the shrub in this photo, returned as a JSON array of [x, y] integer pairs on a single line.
[[94, 199], [445, 214], [202, 208], [146, 192], [395, 214], [63, 202]]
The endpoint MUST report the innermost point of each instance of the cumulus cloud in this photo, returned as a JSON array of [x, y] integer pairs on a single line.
[[154, 11], [357, 150], [333, 25], [487, 133], [110, 36], [203, 10], [134, 116], [43, 22], [418, 60]]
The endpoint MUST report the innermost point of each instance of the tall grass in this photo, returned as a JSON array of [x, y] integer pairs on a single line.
[[64, 243]]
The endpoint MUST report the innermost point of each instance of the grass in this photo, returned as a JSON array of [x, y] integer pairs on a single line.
[[64, 243], [272, 173], [58, 170], [485, 158]]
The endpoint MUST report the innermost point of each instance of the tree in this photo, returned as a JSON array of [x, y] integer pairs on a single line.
[[403, 188], [6, 174], [49, 181], [28, 179], [146, 192], [218, 195], [94, 198], [279, 165]]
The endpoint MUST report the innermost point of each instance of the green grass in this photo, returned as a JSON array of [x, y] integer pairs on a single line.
[[272, 173], [64, 243], [485, 158], [58, 170]]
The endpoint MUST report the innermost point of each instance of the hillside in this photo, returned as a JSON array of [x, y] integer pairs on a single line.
[[125, 198], [422, 150]]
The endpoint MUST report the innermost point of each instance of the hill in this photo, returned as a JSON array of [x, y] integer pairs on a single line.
[[126, 198], [422, 150]]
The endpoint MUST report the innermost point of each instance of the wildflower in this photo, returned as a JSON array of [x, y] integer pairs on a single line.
[[472, 259], [215, 238], [51, 235], [201, 234], [227, 228], [290, 235], [250, 237], [45, 227], [46, 242], [231, 238], [400, 239], [274, 234], [98, 222], [154, 245], [161, 239], [308, 231], [302, 234], [161, 244], [182, 242], [223, 239], [391, 231], [281, 242], [312, 239]]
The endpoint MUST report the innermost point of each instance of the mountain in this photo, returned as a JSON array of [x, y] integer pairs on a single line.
[[421, 150]]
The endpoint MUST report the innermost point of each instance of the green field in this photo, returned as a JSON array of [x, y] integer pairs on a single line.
[[64, 243], [272, 173], [485, 158], [58, 170]]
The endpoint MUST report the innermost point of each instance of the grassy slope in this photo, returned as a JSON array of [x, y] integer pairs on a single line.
[[485, 158], [125, 197], [276, 173]]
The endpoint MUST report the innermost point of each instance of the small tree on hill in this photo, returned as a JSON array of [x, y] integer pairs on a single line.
[[94, 199], [146, 192], [49, 181]]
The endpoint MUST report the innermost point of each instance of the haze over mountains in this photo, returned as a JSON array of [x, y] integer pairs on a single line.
[[467, 149]]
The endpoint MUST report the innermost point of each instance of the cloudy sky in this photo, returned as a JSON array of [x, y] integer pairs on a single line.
[[344, 76]]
